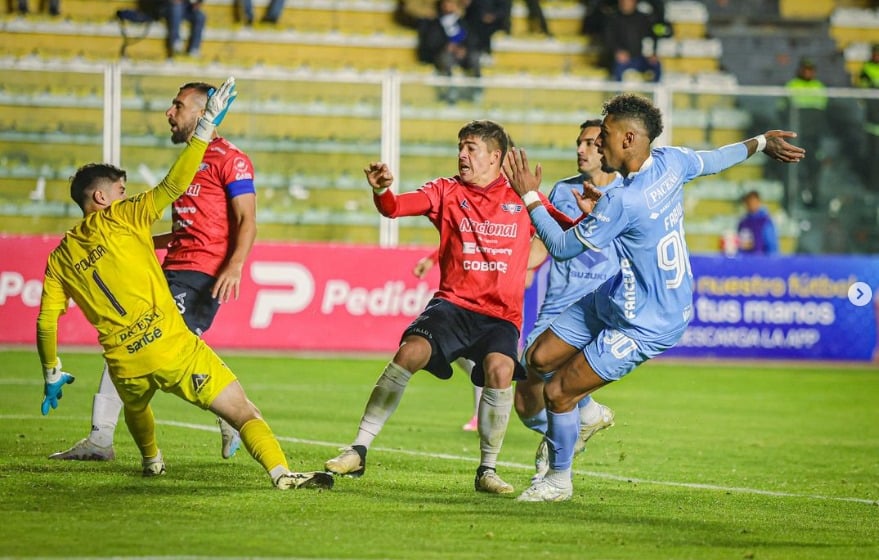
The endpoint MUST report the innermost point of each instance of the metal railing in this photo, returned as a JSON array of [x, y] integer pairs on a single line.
[[311, 133]]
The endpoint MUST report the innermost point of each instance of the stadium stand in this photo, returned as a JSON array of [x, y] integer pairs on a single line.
[[334, 34], [308, 137], [855, 30], [764, 40]]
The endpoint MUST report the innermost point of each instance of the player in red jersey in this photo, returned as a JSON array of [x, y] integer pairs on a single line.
[[477, 311], [214, 227]]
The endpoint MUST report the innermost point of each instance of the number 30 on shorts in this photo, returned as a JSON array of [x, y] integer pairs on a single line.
[[620, 345]]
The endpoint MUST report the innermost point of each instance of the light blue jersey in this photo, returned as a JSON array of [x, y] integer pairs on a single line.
[[643, 310], [569, 280], [650, 297]]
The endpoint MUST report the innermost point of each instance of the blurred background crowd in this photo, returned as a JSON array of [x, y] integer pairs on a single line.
[[722, 70]]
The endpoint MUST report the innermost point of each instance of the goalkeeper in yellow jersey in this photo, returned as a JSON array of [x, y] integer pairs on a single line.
[[107, 265]]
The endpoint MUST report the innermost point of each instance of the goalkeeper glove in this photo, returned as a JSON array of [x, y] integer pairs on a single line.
[[215, 110], [55, 380]]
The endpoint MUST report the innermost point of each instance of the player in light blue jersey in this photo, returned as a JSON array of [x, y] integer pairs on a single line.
[[567, 282], [643, 310]]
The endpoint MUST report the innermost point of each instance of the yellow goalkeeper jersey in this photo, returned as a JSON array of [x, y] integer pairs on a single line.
[[107, 265]]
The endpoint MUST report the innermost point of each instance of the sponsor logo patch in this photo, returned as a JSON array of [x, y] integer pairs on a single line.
[[199, 380]]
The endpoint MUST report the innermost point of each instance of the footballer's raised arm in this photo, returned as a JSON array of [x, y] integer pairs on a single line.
[[181, 173]]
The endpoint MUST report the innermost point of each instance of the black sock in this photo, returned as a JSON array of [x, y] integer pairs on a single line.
[[361, 450]]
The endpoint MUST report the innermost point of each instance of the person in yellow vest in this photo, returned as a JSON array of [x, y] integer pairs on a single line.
[[808, 114], [810, 91], [869, 78]]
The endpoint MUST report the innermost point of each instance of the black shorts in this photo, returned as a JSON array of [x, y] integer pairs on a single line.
[[454, 332], [192, 294]]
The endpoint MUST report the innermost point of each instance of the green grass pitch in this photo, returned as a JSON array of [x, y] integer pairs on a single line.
[[727, 461]]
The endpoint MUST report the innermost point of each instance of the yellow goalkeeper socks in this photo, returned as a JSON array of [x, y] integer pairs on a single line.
[[142, 425], [260, 442]]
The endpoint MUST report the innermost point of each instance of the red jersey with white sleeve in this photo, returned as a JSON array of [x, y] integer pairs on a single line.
[[485, 237], [201, 217]]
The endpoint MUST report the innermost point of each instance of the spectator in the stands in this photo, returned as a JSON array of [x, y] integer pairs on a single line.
[[485, 18], [869, 78], [807, 111], [175, 12], [756, 231], [447, 42], [595, 15], [271, 15], [54, 6], [623, 37]]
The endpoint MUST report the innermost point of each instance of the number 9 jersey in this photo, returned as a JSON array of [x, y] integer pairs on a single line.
[[643, 217]]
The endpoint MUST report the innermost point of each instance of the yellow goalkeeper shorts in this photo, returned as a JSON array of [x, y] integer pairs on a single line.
[[195, 374]]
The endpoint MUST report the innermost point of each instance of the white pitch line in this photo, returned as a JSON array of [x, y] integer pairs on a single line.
[[594, 474], [450, 457]]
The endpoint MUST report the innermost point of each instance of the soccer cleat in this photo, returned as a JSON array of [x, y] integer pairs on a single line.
[[589, 430], [295, 480], [488, 481], [472, 425], [541, 461], [154, 466], [231, 438], [543, 491], [86, 450], [350, 462]]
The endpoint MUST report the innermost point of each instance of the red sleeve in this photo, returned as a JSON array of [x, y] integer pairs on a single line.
[[391, 205], [560, 217]]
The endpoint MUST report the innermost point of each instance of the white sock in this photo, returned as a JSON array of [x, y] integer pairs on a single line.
[[382, 402], [590, 413], [494, 414], [106, 406], [477, 396], [466, 365], [276, 472], [559, 478]]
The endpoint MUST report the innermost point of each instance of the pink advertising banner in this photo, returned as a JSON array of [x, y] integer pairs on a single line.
[[303, 297]]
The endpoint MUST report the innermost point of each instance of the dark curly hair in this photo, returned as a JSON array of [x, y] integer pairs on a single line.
[[637, 107]]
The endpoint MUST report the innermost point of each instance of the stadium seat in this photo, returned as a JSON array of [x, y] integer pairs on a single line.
[[291, 128]]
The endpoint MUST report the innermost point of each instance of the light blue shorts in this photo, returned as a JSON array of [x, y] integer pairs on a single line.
[[610, 352]]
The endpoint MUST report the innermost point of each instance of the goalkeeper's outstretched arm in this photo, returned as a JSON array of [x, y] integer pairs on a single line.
[[184, 169]]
